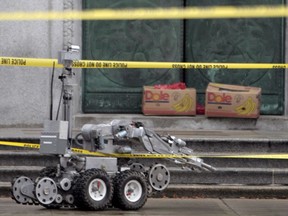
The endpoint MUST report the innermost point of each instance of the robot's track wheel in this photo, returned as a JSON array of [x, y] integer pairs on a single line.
[[137, 167], [17, 190], [46, 190], [159, 177]]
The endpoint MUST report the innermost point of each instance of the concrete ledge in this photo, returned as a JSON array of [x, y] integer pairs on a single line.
[[204, 191], [270, 123], [224, 191], [196, 128], [239, 176], [194, 135]]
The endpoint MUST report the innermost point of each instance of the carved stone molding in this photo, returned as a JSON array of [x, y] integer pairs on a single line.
[[68, 31]]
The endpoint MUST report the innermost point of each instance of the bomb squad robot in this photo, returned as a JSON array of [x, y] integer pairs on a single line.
[[114, 177]]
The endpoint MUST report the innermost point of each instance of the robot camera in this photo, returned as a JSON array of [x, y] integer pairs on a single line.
[[66, 57], [73, 48]]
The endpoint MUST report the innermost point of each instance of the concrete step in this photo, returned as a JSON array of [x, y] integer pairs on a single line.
[[237, 141], [238, 145], [26, 158], [243, 176], [204, 191], [225, 191], [31, 158], [228, 162], [179, 123], [8, 173], [252, 177]]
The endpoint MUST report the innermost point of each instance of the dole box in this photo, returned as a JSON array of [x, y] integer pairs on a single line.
[[232, 101], [168, 101]]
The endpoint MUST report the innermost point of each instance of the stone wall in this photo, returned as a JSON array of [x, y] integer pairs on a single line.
[[25, 91]]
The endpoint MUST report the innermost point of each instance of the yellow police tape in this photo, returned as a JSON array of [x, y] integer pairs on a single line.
[[41, 62], [211, 12], [100, 154]]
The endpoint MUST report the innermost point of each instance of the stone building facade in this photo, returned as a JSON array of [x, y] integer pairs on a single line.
[[25, 91]]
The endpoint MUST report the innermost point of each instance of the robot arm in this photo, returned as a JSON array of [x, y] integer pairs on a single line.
[[105, 139]]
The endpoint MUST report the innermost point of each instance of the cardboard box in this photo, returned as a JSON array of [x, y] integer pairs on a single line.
[[168, 101], [232, 101]]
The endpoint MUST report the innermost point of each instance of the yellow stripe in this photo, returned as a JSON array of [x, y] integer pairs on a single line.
[[257, 156], [38, 62], [152, 13], [100, 154], [18, 144], [28, 62]]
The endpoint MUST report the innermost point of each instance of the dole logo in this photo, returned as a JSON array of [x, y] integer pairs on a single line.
[[156, 96], [219, 98]]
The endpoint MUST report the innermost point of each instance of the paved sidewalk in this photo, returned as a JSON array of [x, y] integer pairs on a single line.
[[183, 207]]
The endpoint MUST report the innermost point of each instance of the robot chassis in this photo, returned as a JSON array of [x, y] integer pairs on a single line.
[[95, 183]]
